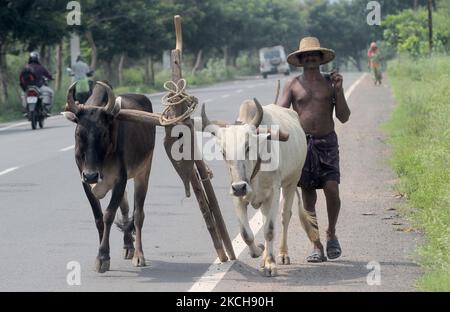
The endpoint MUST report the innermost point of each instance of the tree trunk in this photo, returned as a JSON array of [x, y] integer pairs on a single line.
[[430, 25], [3, 69], [416, 4], [198, 62], [232, 57], [234, 60], [152, 71], [91, 41], [109, 71], [226, 55], [42, 56], [120, 68], [58, 74], [147, 71], [357, 62], [48, 57]]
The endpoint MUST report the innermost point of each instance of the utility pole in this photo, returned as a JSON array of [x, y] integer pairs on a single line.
[[430, 25]]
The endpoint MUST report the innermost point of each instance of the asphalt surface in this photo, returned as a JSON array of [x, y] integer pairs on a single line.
[[46, 221]]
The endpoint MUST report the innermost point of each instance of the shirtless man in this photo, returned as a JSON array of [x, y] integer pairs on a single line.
[[314, 97]]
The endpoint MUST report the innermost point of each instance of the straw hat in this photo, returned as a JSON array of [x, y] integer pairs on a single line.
[[310, 44]]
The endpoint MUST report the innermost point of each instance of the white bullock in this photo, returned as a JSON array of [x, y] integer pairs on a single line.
[[252, 179]]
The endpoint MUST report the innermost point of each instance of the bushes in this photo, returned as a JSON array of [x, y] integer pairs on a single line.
[[420, 135], [215, 71]]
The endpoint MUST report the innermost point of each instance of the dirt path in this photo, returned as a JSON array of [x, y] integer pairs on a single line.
[[368, 229]]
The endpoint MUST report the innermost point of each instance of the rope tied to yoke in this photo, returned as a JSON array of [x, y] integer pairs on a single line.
[[176, 96]]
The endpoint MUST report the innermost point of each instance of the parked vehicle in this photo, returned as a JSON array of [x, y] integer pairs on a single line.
[[273, 61]]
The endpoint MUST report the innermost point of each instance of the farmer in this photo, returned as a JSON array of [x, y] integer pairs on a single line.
[[374, 62], [314, 97]]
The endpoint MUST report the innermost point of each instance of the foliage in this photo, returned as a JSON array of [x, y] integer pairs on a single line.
[[407, 32]]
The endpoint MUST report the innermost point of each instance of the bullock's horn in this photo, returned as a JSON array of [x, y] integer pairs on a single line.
[[109, 108], [256, 121], [205, 120], [71, 106]]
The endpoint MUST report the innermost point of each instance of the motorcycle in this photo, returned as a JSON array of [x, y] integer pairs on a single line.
[[35, 111]]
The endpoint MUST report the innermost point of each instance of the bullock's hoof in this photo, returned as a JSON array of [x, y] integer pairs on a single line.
[[258, 251], [284, 259], [128, 253], [101, 266], [269, 269], [138, 261]]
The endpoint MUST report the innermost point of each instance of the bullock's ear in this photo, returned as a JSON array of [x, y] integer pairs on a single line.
[[70, 116]]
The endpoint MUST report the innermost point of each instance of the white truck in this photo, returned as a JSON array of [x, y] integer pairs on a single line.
[[273, 61]]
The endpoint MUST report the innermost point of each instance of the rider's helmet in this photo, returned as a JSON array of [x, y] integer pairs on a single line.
[[34, 57]]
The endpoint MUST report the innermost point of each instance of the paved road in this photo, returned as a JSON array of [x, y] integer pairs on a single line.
[[47, 222]]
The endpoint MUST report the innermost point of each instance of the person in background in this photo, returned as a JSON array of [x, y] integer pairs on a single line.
[[81, 71], [375, 62]]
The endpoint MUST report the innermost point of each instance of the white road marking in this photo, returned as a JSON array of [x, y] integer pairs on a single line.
[[353, 86], [67, 148], [239, 91], [14, 126], [225, 96], [24, 123], [217, 270], [8, 170]]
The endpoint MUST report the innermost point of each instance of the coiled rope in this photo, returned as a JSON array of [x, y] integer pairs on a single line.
[[176, 96]]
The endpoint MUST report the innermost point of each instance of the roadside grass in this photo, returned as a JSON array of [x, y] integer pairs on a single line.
[[419, 131]]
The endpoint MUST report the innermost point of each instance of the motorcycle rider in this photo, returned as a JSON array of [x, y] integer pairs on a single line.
[[41, 73]]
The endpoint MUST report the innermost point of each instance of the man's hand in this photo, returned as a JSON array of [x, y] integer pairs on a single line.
[[337, 80]]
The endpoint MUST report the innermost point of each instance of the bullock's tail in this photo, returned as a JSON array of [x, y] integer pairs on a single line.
[[125, 226], [308, 221]]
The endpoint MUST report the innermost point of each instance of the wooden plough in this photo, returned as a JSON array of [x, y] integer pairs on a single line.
[[194, 172]]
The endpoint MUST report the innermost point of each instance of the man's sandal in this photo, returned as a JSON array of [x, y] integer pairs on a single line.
[[334, 250], [316, 257]]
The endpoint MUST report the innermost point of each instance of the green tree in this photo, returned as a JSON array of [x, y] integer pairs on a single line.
[[407, 32], [33, 24]]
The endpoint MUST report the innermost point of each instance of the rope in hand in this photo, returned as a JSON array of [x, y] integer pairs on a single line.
[[176, 96]]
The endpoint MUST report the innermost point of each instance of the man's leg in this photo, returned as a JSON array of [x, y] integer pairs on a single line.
[[309, 198], [331, 191]]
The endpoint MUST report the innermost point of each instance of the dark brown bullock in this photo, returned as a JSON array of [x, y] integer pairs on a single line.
[[108, 152]]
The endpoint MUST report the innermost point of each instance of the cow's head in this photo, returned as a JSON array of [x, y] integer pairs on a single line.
[[242, 146], [95, 134]]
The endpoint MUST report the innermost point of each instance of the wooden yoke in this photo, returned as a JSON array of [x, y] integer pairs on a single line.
[[197, 175]]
